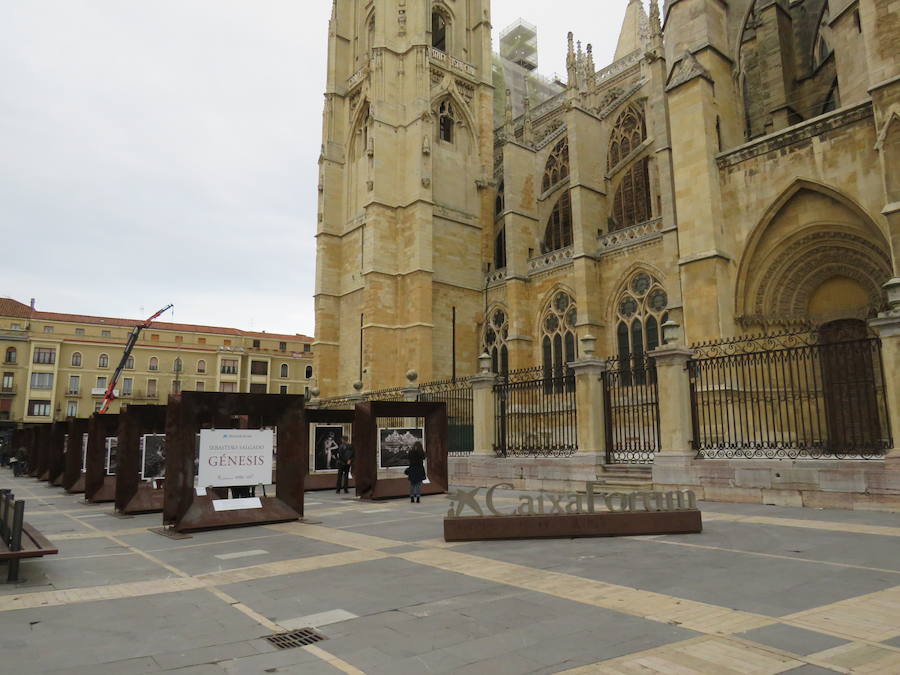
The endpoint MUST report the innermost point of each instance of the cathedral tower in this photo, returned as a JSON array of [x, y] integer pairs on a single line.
[[405, 185]]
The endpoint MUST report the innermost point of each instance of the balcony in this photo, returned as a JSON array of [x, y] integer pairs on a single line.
[[73, 392], [229, 370], [8, 391]]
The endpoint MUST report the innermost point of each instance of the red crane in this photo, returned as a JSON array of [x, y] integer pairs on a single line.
[[109, 396]]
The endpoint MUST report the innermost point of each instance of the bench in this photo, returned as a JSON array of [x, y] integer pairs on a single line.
[[18, 539]]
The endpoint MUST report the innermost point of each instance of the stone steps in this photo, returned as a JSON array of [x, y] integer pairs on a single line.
[[627, 478]]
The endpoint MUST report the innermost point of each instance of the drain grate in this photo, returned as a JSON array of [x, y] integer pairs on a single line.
[[296, 638]]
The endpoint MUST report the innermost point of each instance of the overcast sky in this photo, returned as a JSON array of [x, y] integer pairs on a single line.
[[156, 151]]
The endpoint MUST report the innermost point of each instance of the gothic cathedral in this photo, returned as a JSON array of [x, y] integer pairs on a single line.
[[734, 170]]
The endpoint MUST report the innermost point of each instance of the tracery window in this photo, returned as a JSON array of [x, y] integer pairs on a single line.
[[446, 120], [559, 227], [557, 167], [438, 31], [640, 315], [558, 341], [500, 202], [632, 203], [629, 131], [496, 333]]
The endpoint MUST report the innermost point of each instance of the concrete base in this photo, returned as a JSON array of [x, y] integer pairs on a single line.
[[837, 484], [556, 474], [872, 485]]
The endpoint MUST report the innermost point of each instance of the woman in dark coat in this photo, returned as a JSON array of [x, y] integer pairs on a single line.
[[416, 471]]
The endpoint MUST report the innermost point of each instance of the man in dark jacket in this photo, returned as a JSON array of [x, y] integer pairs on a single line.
[[344, 461]]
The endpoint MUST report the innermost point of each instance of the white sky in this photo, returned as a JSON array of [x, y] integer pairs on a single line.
[[156, 151]]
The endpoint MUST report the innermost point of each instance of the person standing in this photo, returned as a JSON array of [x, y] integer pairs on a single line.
[[344, 461], [416, 472]]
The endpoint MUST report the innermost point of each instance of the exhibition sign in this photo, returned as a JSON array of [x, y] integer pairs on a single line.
[[231, 457]]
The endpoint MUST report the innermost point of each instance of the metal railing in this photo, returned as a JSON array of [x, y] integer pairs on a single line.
[[789, 396], [535, 414], [631, 404], [457, 395]]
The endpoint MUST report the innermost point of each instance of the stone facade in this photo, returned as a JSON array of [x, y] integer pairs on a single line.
[[741, 158]]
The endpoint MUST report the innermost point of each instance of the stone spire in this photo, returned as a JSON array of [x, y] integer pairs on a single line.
[[591, 78], [655, 24], [572, 63], [508, 129], [527, 124], [634, 31]]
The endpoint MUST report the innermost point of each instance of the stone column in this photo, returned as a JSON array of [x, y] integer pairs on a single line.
[[672, 465], [887, 325], [590, 401], [483, 407]]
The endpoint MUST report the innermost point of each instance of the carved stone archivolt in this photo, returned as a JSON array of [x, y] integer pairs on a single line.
[[781, 291]]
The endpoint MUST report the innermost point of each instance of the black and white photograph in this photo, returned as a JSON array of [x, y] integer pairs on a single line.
[[112, 462], [394, 445], [153, 456], [326, 442]]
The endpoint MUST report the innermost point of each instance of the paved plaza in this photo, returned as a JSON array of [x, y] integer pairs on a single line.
[[763, 590]]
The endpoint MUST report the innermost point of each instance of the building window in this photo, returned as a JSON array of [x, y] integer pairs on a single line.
[[154, 363], [227, 343], [257, 388], [101, 382], [127, 386], [76, 359], [284, 370], [201, 386], [306, 347], [559, 227], [48, 329], [438, 31], [97, 406], [41, 355], [558, 341], [105, 333], [309, 372], [201, 341], [74, 384], [39, 408], [72, 409], [201, 366], [256, 344], [178, 366], [16, 326], [557, 167], [446, 120], [259, 368], [229, 366], [11, 355], [227, 387], [282, 346], [79, 332], [7, 384], [179, 338], [154, 337], [640, 315], [151, 388], [42, 380], [176, 386], [103, 361], [496, 333], [629, 132], [500, 201], [631, 205], [283, 389], [129, 363], [500, 249]]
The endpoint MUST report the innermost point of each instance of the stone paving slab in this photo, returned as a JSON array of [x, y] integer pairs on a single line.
[[763, 589]]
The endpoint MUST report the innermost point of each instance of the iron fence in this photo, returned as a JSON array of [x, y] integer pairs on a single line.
[[457, 395], [631, 410], [807, 395], [535, 414]]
